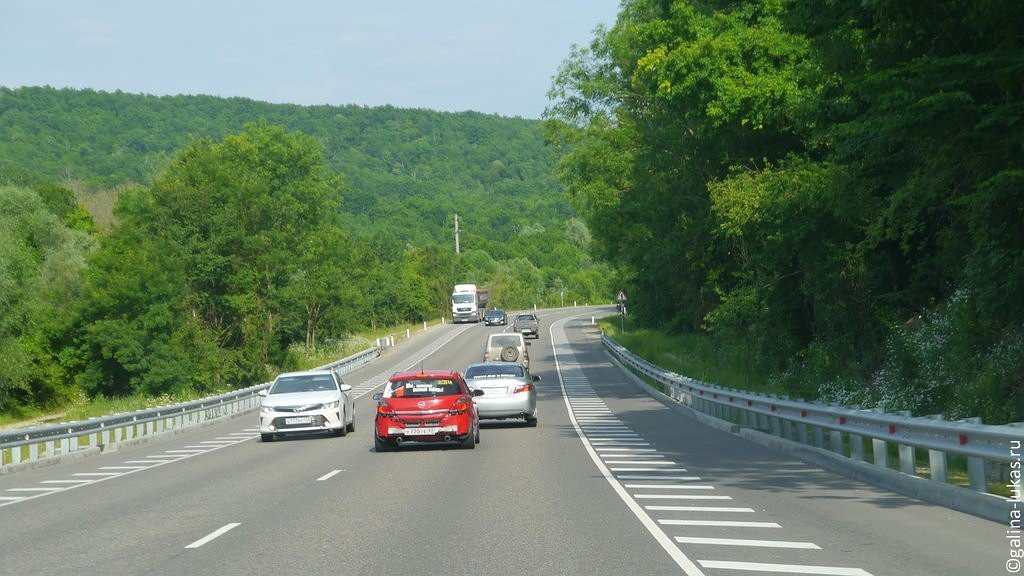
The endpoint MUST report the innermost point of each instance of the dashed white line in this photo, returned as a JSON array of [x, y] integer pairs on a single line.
[[647, 462], [648, 469], [747, 542], [33, 489], [720, 523], [652, 477], [784, 568], [329, 475], [681, 497], [672, 486], [699, 509], [215, 534]]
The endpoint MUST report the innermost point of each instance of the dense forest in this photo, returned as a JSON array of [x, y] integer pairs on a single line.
[[222, 234], [836, 188]]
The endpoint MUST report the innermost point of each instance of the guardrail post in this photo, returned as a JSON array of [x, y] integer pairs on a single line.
[[16, 453], [856, 447], [801, 432], [835, 441], [33, 451], [819, 437], [976, 466], [907, 460], [880, 451], [776, 426], [937, 458]]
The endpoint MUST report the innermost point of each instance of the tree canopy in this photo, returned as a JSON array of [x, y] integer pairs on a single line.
[[823, 181]]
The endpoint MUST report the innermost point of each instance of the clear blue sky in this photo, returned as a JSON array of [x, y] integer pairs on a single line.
[[452, 55]]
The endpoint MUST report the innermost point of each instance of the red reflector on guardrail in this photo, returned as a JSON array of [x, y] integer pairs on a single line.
[[842, 420], [892, 428], [803, 413], [773, 408], [963, 439]]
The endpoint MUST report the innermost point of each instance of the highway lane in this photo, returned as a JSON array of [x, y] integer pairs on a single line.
[[538, 501]]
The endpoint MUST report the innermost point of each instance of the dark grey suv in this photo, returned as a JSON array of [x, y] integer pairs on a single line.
[[495, 317]]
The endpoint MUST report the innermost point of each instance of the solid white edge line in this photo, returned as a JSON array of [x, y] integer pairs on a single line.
[[688, 566], [216, 533]]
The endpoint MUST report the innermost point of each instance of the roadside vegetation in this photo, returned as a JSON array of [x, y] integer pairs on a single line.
[[816, 198], [244, 256]]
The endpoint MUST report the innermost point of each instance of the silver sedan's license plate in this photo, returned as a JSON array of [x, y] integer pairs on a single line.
[[299, 420]]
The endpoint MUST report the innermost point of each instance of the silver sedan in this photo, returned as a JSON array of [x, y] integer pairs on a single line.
[[509, 391]]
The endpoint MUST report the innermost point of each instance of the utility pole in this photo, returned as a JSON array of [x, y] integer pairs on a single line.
[[456, 233]]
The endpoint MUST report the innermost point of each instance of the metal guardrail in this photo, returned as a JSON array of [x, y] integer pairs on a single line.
[[43, 442], [844, 430]]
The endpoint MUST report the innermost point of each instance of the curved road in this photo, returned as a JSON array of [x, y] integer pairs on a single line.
[[610, 482]]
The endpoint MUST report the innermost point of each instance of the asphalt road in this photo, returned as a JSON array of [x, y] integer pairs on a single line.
[[610, 482]]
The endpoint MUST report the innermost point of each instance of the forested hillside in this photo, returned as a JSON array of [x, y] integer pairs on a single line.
[[245, 235], [399, 165], [834, 191]]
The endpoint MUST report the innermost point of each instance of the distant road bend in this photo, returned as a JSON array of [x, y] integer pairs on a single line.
[[610, 482]]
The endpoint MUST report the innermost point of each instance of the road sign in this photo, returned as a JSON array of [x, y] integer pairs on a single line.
[[622, 296]]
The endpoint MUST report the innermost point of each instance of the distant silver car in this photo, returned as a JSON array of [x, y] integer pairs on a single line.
[[509, 391], [310, 401]]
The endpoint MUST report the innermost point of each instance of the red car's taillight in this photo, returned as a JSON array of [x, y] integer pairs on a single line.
[[384, 410], [460, 406], [523, 388]]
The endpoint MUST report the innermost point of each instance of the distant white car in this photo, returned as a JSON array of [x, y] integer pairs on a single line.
[[507, 347], [310, 401]]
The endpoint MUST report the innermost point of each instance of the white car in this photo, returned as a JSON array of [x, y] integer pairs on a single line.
[[310, 401], [507, 347]]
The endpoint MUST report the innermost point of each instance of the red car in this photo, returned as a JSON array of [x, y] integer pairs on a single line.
[[426, 406]]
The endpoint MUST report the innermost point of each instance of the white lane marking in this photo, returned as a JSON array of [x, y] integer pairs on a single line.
[[784, 568], [100, 477], [12, 498], [619, 443], [34, 489], [620, 455], [623, 450], [165, 455], [646, 462], [120, 467], [329, 475], [699, 509], [619, 469], [64, 481], [681, 497], [651, 477], [216, 533], [671, 548], [191, 451], [673, 486], [720, 523], [747, 542]]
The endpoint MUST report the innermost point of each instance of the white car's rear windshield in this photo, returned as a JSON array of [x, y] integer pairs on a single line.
[[306, 383], [503, 370], [509, 340]]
